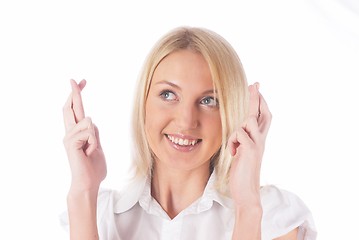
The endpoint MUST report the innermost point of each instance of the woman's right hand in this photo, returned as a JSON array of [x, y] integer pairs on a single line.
[[82, 144]]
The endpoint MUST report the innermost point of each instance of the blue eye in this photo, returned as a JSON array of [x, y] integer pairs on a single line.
[[168, 95], [209, 101]]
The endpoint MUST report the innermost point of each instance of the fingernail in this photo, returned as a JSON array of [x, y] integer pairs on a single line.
[[257, 85]]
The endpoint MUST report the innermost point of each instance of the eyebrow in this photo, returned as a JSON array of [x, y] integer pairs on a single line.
[[168, 83], [178, 87]]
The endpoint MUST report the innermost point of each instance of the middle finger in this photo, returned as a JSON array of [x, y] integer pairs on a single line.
[[254, 110], [77, 105]]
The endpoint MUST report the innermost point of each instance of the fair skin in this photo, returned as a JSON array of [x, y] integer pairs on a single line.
[[183, 128], [182, 97], [87, 163]]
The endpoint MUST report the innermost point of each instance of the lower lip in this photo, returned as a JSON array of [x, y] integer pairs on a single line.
[[180, 148]]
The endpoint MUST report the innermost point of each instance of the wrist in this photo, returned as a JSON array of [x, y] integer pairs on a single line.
[[253, 211], [82, 210], [77, 194], [79, 187], [248, 220]]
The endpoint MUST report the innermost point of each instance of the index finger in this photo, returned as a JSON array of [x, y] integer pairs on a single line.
[[68, 114], [77, 105]]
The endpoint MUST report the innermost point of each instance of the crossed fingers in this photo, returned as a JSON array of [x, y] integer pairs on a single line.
[[256, 126], [73, 110]]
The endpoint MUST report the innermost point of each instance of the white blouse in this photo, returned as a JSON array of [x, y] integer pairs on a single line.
[[134, 214]]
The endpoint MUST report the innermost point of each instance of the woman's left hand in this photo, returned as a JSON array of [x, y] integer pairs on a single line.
[[246, 145]]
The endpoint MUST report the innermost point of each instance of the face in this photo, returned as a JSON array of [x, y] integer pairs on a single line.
[[182, 123]]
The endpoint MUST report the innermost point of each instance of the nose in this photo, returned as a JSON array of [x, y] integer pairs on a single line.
[[187, 117]]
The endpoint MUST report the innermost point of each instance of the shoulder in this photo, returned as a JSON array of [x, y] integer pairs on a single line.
[[284, 211], [119, 201]]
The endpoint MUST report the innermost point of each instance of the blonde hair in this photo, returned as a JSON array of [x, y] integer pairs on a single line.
[[229, 81]]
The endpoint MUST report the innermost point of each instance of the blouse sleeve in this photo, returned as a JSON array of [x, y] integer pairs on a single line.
[[284, 211]]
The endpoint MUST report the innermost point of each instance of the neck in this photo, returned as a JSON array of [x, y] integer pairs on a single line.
[[176, 189]]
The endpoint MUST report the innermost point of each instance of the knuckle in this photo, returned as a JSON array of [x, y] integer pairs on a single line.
[[90, 132], [88, 121], [66, 142]]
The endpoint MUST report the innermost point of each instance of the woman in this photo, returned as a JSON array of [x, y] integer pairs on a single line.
[[199, 133]]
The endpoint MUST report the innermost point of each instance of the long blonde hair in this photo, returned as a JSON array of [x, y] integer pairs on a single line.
[[229, 81]]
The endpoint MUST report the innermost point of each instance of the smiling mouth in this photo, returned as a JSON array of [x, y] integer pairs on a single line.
[[183, 141]]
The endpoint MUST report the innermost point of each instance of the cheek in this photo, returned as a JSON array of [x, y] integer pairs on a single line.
[[154, 118], [214, 127], [150, 128], [150, 121]]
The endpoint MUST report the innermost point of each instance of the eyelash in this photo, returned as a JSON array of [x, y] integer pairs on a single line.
[[167, 92]]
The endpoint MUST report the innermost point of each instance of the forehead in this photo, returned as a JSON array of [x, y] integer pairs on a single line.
[[184, 67]]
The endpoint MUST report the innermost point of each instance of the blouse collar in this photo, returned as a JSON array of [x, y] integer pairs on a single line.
[[139, 191]]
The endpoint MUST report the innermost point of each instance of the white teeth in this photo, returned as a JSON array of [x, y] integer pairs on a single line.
[[182, 142]]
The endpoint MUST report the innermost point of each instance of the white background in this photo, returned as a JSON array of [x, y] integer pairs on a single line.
[[304, 53]]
